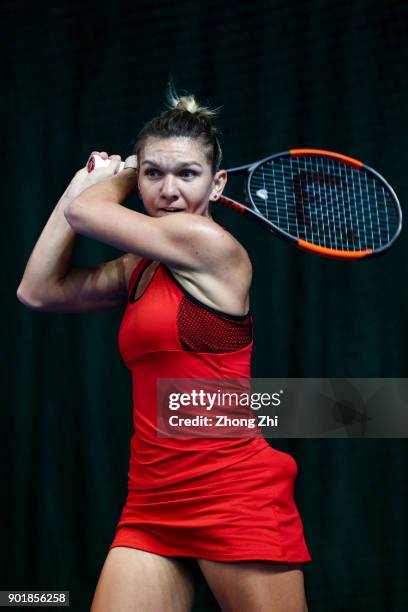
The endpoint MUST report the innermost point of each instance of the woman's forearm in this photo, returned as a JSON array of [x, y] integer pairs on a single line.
[[114, 189], [50, 259]]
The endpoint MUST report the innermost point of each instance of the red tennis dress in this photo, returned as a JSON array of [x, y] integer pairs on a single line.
[[225, 499]]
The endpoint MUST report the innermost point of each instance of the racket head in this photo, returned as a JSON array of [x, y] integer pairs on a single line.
[[325, 202]]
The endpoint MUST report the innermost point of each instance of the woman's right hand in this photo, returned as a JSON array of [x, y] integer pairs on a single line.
[[84, 179]]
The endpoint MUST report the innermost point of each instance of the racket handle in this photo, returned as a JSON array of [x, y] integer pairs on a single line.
[[96, 161]]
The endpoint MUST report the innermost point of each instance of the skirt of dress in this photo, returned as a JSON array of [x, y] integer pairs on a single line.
[[242, 512]]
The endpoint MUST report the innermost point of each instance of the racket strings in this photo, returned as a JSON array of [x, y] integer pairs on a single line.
[[325, 202]]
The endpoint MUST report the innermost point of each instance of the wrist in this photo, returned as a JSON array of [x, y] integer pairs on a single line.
[[130, 171], [114, 189], [126, 181], [65, 199]]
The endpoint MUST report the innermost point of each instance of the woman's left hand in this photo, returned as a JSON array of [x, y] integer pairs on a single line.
[[131, 162], [84, 179]]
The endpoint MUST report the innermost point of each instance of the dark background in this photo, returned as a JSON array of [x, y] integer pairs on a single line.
[[78, 77]]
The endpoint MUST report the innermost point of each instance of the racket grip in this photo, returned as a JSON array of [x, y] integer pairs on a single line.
[[96, 161]]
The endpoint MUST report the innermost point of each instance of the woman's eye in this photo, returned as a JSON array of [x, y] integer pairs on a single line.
[[155, 173], [152, 172], [188, 173]]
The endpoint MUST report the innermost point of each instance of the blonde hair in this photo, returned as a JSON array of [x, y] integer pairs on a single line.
[[184, 117], [188, 103]]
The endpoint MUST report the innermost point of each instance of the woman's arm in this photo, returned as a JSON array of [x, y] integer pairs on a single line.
[[50, 283], [49, 261], [183, 241]]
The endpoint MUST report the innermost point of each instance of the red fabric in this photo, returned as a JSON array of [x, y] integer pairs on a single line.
[[219, 499], [227, 334]]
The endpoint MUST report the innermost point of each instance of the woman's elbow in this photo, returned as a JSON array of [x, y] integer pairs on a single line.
[[32, 302], [71, 213]]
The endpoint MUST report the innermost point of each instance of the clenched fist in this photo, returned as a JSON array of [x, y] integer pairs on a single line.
[[84, 179]]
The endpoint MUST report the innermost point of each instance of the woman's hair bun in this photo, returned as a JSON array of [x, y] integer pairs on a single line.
[[184, 118], [188, 103]]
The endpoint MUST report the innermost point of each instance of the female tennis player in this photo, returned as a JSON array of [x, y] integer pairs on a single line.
[[223, 506]]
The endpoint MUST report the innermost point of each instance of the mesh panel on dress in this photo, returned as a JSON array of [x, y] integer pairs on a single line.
[[203, 331]]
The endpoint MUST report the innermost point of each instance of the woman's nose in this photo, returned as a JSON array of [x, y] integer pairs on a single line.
[[169, 187]]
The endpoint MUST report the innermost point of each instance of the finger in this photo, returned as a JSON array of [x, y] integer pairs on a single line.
[[115, 162], [131, 161], [104, 155]]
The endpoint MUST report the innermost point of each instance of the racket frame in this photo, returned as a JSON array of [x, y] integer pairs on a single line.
[[255, 215]]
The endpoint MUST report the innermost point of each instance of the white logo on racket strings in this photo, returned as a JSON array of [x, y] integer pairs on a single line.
[[262, 193]]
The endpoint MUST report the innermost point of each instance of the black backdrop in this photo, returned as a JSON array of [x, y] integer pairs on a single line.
[[83, 76]]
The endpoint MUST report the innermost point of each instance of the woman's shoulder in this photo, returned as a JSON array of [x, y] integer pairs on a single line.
[[222, 241], [235, 253], [224, 277]]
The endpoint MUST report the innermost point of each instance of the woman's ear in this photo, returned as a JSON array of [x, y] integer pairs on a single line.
[[219, 181]]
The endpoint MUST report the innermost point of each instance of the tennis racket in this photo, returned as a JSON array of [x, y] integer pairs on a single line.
[[323, 202]]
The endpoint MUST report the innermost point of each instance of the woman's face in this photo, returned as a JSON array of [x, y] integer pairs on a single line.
[[174, 175]]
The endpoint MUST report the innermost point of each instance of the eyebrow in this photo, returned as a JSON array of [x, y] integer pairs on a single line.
[[180, 165]]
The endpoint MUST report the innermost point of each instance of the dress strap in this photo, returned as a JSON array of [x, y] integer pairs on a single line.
[[136, 274]]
